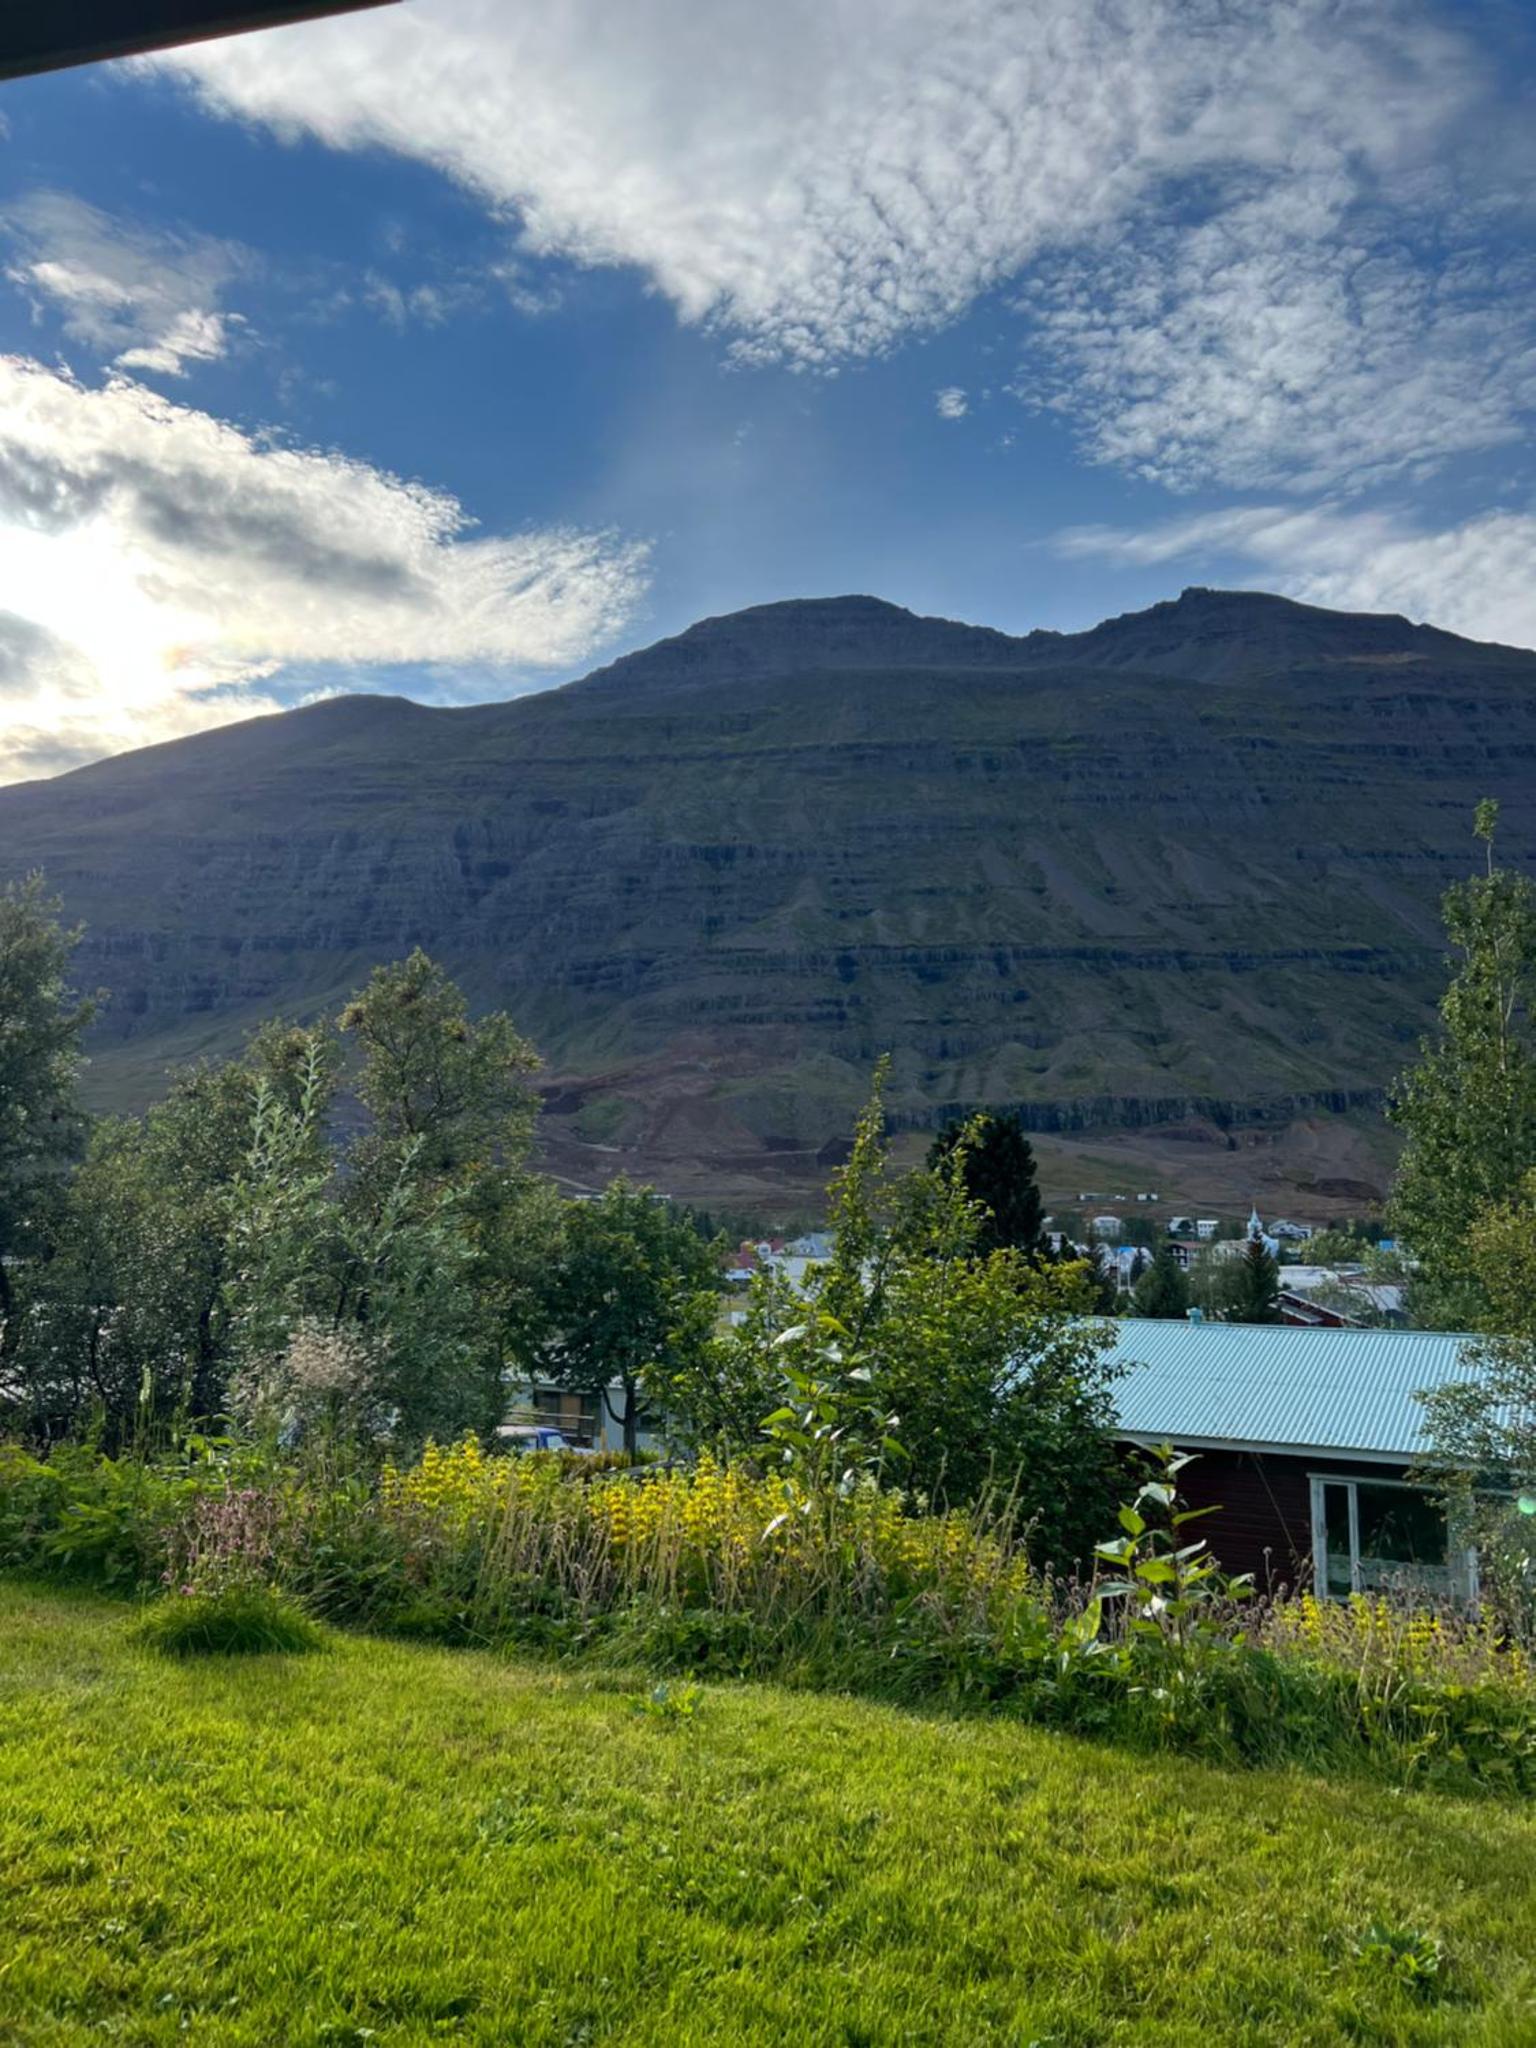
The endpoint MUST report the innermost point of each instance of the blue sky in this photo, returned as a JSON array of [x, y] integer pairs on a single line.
[[456, 347]]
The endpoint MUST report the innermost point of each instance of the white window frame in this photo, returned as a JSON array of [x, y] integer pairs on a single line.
[[1353, 1480]]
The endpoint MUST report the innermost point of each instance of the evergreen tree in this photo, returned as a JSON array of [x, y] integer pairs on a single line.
[[1256, 1286], [1000, 1177], [1101, 1277], [1163, 1290]]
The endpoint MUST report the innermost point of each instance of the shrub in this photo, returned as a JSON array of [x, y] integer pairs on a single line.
[[30, 1494], [240, 1620]]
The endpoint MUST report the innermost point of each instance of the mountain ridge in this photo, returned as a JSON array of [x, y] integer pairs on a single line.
[[1181, 868]]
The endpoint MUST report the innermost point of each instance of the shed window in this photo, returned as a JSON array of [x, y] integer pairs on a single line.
[[573, 1414], [1382, 1535]]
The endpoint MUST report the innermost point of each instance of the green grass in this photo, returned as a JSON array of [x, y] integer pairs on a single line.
[[241, 1621], [407, 1845]]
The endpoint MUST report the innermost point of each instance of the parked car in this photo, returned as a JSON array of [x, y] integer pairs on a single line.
[[535, 1436]]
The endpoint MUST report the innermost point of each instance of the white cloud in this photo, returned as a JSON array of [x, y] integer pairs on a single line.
[[822, 177], [1292, 338], [141, 299], [1477, 577], [167, 568], [951, 402]]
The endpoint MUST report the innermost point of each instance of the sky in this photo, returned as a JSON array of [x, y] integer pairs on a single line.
[[456, 347]]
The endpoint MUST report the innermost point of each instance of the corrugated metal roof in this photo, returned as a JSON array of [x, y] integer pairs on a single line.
[[1305, 1389]]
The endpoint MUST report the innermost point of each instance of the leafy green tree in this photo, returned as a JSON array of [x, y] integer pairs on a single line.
[[444, 1232], [200, 1244], [455, 1093], [1482, 1429], [628, 1300], [130, 1315], [1215, 1283], [1255, 1291], [918, 1356], [41, 1021], [1162, 1291], [1000, 1178], [1348, 1244], [1468, 1109]]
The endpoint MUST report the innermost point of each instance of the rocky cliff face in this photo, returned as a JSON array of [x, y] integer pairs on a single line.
[[1190, 858]]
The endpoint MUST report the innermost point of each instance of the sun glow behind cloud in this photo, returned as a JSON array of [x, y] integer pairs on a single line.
[[177, 571]]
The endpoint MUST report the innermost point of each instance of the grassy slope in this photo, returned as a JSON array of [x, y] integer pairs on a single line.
[[409, 1844]]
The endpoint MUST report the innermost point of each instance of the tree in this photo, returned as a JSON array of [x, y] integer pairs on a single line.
[[1482, 1429], [1000, 1178], [41, 1022], [952, 1369], [628, 1300], [1162, 1291], [445, 1232], [1255, 1292], [1101, 1276], [457, 1092], [1221, 1284], [199, 1244], [133, 1314], [1468, 1109]]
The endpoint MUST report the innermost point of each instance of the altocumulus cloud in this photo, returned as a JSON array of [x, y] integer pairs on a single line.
[[163, 571], [1235, 226]]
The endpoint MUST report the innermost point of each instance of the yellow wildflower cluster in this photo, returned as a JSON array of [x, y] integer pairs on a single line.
[[1377, 1638], [706, 1533], [452, 1484]]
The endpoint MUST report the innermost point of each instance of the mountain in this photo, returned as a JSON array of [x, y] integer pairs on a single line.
[[1177, 874]]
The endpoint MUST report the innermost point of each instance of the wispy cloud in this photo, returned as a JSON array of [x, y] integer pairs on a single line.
[[222, 570], [951, 403], [1476, 577], [144, 299]]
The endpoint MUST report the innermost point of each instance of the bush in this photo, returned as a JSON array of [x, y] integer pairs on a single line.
[[30, 1494], [241, 1620]]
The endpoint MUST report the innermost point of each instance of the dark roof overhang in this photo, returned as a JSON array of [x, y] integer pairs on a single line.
[[47, 35]]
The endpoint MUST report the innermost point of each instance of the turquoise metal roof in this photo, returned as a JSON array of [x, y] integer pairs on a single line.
[[1270, 1384]]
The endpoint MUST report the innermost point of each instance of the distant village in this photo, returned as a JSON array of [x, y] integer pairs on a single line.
[[1340, 1293]]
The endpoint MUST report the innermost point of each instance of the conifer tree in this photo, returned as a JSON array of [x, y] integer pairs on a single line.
[[1001, 1177], [1163, 1290], [1256, 1286]]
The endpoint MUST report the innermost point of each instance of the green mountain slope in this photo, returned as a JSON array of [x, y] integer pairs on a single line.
[[1185, 865]]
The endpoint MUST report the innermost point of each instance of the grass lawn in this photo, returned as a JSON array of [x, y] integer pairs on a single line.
[[403, 1844]]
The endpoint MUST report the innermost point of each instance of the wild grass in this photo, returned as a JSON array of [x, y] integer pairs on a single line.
[[239, 1621], [714, 1571], [401, 1844]]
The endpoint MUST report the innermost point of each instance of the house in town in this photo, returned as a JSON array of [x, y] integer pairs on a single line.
[[1302, 1312], [1349, 1290], [1305, 1439]]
